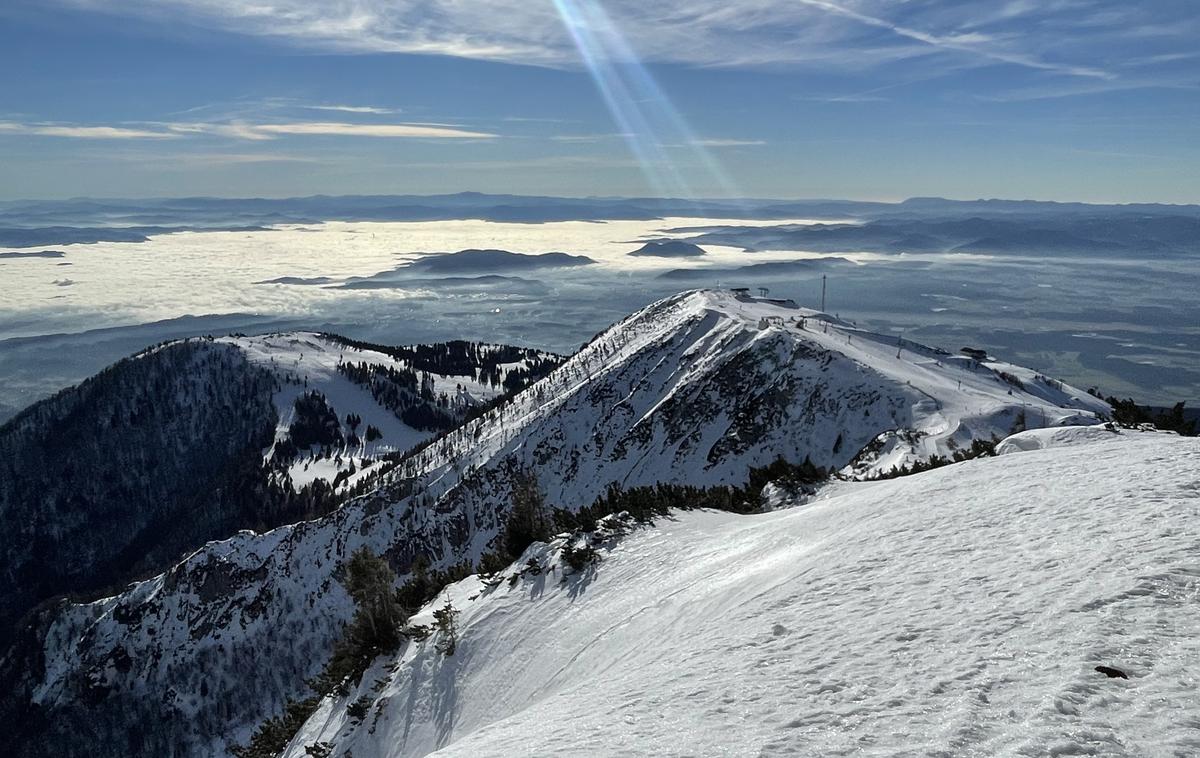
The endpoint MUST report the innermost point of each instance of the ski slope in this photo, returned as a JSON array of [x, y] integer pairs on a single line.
[[307, 361], [957, 612]]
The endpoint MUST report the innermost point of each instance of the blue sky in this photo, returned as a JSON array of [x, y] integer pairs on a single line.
[[1093, 100]]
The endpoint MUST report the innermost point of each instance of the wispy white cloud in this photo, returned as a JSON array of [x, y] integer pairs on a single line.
[[535, 120], [589, 138], [235, 159], [245, 131], [552, 162], [71, 131], [1074, 38], [1055, 91], [849, 98], [717, 142], [365, 109], [232, 130], [970, 43], [191, 157], [410, 131]]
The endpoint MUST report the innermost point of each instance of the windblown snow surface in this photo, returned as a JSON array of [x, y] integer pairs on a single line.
[[956, 612]]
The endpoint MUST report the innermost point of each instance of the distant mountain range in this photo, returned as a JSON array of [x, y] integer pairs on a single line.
[[28, 223], [1093, 234], [755, 272]]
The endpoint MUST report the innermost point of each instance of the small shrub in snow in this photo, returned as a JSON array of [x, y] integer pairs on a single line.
[[418, 632], [1011, 379], [493, 563], [376, 628], [1128, 413], [358, 710], [425, 584], [578, 558], [978, 449], [447, 626]]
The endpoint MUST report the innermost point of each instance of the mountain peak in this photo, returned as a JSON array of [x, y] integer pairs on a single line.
[[950, 398]]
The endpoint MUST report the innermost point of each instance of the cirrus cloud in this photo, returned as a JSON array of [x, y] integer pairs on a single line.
[[82, 132], [245, 131], [426, 131], [1089, 39], [367, 109]]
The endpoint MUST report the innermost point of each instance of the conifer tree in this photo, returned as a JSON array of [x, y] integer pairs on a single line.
[[529, 520]]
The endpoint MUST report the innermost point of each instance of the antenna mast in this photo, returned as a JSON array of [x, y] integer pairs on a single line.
[[822, 293]]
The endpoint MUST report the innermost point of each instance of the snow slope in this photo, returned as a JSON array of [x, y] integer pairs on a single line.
[[310, 362], [957, 612], [306, 361], [694, 389]]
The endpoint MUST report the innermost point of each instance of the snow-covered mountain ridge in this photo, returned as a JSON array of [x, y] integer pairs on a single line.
[[960, 611], [695, 389], [192, 440]]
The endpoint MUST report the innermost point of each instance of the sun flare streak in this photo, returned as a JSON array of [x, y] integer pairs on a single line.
[[655, 130]]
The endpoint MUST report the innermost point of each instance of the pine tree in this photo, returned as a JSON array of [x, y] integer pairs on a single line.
[[377, 625], [529, 520], [371, 583], [447, 624]]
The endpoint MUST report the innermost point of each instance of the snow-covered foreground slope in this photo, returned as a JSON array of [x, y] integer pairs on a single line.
[[957, 612], [695, 389]]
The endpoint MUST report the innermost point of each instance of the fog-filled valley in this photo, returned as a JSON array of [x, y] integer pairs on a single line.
[[1067, 288]]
